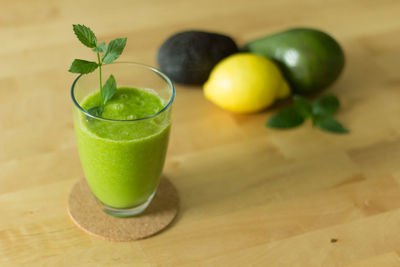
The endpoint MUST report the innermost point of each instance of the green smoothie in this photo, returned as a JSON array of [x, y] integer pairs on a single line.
[[122, 160]]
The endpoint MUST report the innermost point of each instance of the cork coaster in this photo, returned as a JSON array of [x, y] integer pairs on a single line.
[[87, 214]]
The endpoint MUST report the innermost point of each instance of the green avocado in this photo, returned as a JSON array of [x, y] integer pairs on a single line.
[[310, 59]]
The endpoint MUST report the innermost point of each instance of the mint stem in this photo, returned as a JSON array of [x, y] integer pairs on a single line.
[[101, 83]]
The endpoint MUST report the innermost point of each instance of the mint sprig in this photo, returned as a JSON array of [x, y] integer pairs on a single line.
[[321, 112], [113, 51]]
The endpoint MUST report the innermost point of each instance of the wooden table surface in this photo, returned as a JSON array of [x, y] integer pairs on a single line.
[[250, 196]]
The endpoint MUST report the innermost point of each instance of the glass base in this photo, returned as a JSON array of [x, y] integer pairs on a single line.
[[129, 212]]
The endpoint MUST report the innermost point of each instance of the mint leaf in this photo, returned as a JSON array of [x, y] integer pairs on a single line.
[[286, 118], [302, 105], [325, 105], [100, 47], [329, 124], [96, 111], [114, 50], [85, 35], [108, 89], [82, 66]]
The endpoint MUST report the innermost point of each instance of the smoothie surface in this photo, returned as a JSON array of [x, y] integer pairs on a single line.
[[127, 104]]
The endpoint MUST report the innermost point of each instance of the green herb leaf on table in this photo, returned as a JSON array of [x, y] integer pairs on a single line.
[[100, 47], [114, 50], [82, 66], [325, 105], [85, 35], [286, 118], [320, 111], [302, 105], [108, 89], [329, 124]]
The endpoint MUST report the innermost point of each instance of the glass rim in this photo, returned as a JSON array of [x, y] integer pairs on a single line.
[[155, 70]]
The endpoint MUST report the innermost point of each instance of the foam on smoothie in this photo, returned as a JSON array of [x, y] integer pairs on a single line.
[[127, 104]]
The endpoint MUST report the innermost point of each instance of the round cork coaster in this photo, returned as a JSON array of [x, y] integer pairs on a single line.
[[87, 214]]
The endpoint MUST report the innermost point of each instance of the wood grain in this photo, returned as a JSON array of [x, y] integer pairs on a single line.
[[250, 196]]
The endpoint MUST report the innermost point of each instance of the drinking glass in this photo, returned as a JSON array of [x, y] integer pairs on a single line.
[[123, 159]]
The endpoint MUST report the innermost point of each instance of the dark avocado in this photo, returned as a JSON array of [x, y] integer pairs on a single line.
[[310, 59], [188, 57]]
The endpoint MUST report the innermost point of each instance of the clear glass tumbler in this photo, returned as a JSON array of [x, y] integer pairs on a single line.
[[123, 159]]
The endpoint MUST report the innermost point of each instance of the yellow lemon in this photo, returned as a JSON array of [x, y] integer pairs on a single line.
[[245, 83]]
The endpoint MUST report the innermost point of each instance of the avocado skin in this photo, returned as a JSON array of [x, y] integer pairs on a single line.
[[188, 57], [310, 59]]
